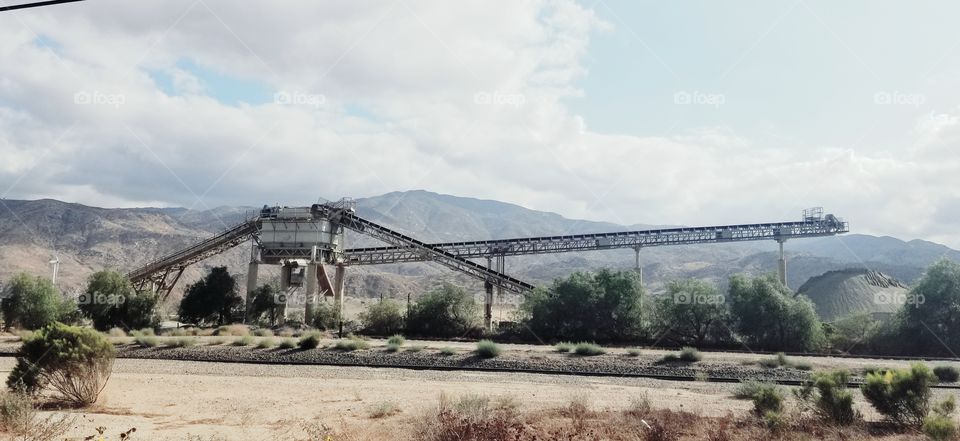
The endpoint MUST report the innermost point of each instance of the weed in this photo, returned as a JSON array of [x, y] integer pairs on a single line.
[[288, 343], [447, 351], [351, 344], [633, 352], [266, 343], [488, 349], [397, 339], [246, 340], [309, 341], [563, 347], [588, 349], [947, 374], [383, 409]]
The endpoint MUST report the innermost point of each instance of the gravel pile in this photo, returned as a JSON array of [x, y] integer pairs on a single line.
[[610, 364]]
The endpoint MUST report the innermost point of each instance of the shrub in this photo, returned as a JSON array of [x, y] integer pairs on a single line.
[[472, 417], [633, 352], [690, 355], [488, 349], [213, 299], [382, 318], [384, 409], [774, 421], [309, 341], [447, 311], [146, 341], [829, 397], [447, 351], [947, 374], [289, 343], [563, 347], [22, 421], [747, 389], [766, 399], [182, 342], [33, 302], [703, 317], [416, 348], [351, 344], [246, 340], [397, 339], [266, 343], [588, 349], [110, 301], [75, 362], [263, 332], [234, 330], [768, 315], [940, 425], [901, 395], [393, 347], [117, 332]]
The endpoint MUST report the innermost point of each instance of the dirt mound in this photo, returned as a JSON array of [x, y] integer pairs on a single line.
[[837, 294]]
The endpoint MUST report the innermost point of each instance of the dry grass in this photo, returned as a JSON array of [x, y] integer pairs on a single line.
[[234, 330]]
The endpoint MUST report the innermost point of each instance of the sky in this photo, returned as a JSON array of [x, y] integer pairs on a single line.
[[695, 112]]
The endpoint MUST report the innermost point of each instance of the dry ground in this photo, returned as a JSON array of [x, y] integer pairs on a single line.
[[175, 400]]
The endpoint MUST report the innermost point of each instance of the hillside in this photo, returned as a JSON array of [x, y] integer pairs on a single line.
[[838, 294], [89, 238]]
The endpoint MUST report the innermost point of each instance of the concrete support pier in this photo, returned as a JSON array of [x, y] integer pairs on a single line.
[[310, 293], [338, 279], [782, 264], [285, 273], [638, 268], [252, 270]]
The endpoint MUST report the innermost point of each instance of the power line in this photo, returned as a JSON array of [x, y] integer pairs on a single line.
[[36, 4]]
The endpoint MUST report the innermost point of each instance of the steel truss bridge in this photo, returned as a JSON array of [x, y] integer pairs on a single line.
[[162, 274]]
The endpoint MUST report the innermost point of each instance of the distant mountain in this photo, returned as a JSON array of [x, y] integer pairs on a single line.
[[89, 238]]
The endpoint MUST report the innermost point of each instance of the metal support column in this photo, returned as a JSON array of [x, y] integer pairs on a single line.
[[639, 268], [338, 280], [782, 264], [488, 300]]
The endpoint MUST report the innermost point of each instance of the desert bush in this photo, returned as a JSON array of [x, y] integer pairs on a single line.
[[828, 396], [111, 301], [397, 339], [33, 302], [309, 341], [74, 362], [588, 349], [940, 425], [182, 342], [393, 347], [117, 332], [351, 344], [563, 347], [266, 343], [447, 311], [416, 348], [383, 409], [901, 395], [747, 389], [471, 417], [146, 341], [633, 352], [766, 399], [601, 306], [488, 349], [233, 330], [263, 332], [246, 340], [690, 355], [289, 343], [447, 351], [382, 318], [947, 374], [20, 420]]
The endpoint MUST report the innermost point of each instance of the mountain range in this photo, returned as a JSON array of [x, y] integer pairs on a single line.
[[86, 239]]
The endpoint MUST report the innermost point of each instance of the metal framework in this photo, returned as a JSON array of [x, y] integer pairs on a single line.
[[811, 226]]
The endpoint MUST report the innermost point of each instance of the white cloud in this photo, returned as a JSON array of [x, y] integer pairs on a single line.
[[400, 110]]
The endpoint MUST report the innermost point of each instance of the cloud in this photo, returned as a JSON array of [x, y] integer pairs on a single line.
[[372, 97]]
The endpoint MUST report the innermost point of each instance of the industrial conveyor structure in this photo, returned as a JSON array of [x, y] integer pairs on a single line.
[[302, 239]]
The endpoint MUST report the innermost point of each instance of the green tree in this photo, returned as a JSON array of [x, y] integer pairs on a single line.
[[384, 318], [33, 302], [447, 311], [692, 313], [857, 330], [265, 302], [110, 301], [213, 299], [769, 316], [602, 306], [930, 319]]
